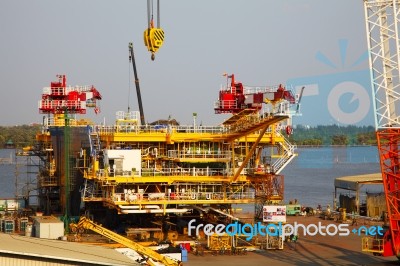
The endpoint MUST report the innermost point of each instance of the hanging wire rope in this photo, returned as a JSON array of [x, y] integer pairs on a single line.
[[149, 13], [158, 13]]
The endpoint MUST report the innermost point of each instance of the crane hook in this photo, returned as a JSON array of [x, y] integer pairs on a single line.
[[153, 40], [153, 36]]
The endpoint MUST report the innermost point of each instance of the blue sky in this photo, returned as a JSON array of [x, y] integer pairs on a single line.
[[263, 42]]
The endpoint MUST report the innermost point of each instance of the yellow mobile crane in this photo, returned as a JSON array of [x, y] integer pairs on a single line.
[[149, 254]]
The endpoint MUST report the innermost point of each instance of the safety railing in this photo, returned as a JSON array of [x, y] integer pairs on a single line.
[[373, 245], [54, 104], [286, 157], [193, 171], [157, 129], [131, 196], [198, 153], [65, 90]]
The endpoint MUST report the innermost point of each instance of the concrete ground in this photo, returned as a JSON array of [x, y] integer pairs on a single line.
[[309, 250]]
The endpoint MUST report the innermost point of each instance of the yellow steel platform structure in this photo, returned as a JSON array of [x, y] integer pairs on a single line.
[[181, 166], [165, 168]]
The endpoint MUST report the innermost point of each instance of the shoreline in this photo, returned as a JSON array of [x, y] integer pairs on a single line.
[[333, 146]]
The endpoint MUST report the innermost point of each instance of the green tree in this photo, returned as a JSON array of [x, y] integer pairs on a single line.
[[339, 140], [328, 135], [21, 136]]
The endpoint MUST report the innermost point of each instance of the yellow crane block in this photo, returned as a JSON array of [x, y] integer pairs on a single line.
[[153, 40]]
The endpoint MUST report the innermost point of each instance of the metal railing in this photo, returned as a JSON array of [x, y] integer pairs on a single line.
[[288, 154], [193, 171], [374, 245], [143, 197], [65, 90], [198, 153]]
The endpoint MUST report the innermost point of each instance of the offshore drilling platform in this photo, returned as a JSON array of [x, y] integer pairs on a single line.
[[136, 175]]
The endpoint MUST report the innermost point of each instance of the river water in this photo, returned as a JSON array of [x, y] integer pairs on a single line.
[[19, 177], [309, 178], [7, 174]]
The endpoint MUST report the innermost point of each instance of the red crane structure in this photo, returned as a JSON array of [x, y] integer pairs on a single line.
[[236, 97], [61, 101], [60, 98], [240, 100], [382, 26]]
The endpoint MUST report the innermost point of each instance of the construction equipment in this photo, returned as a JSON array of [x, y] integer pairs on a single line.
[[379, 245], [220, 244], [153, 36], [62, 103], [382, 20], [139, 96], [149, 254], [129, 172]]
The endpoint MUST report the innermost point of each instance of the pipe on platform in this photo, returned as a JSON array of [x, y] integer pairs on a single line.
[[155, 211], [129, 207], [152, 207]]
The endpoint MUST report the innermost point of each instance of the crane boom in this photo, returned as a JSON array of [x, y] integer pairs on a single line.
[[382, 26], [139, 96], [86, 223]]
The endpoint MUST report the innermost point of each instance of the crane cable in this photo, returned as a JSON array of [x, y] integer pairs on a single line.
[[150, 13], [158, 13]]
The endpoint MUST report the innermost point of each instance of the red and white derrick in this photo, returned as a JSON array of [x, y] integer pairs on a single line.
[[236, 97], [60, 98]]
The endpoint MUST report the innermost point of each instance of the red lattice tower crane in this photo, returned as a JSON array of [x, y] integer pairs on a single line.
[[61, 99], [382, 25]]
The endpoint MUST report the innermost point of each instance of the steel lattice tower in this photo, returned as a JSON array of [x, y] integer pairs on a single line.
[[382, 26]]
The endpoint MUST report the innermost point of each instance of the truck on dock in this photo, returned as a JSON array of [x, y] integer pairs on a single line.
[[293, 209]]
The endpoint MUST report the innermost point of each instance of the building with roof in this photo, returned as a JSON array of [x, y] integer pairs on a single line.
[[28, 251], [355, 183]]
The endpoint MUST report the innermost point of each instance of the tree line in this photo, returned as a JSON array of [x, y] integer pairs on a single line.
[[24, 135], [20, 136], [333, 135]]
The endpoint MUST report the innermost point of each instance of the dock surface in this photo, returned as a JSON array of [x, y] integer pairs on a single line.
[[309, 250]]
